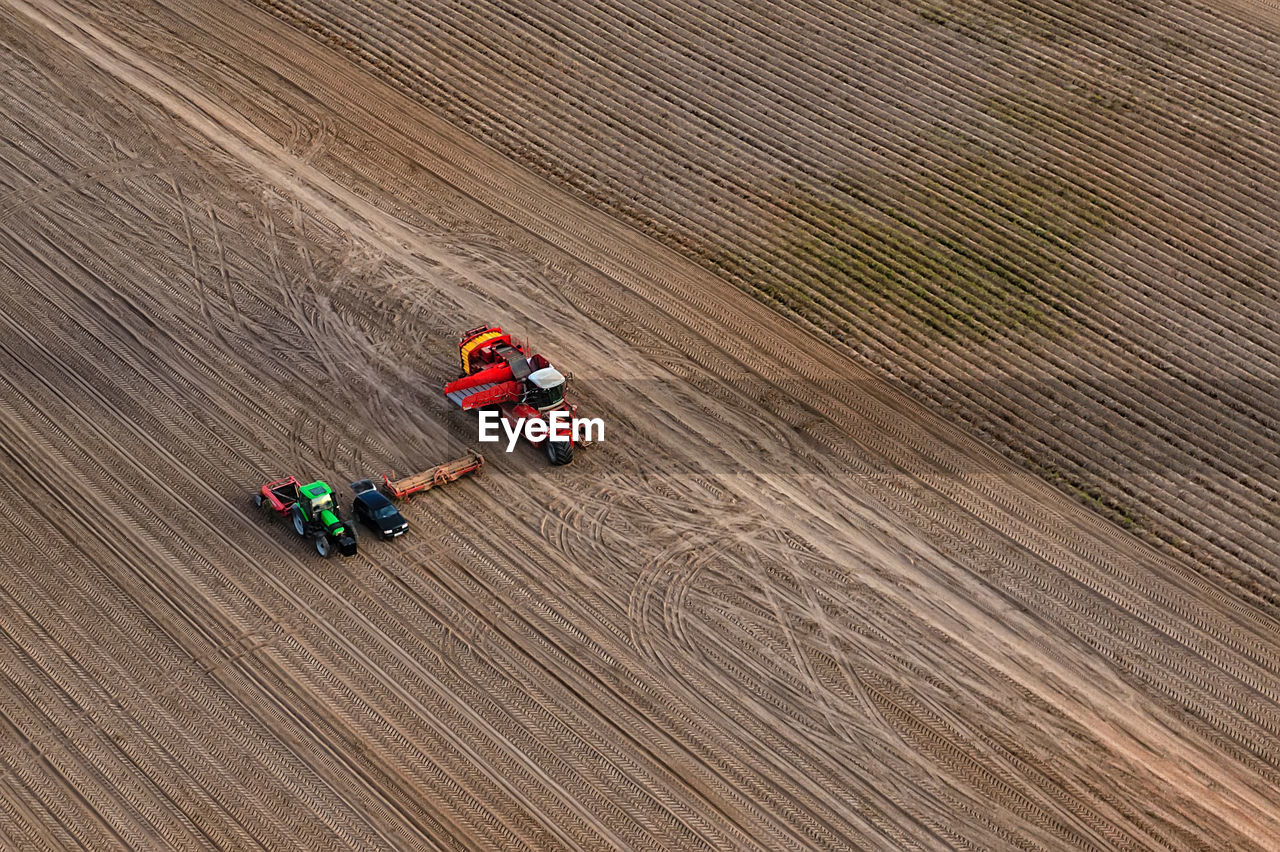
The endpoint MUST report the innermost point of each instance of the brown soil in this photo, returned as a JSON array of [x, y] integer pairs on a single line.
[[1054, 223], [781, 606]]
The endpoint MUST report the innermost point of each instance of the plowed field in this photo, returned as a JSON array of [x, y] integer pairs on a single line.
[[1055, 223], [781, 606]]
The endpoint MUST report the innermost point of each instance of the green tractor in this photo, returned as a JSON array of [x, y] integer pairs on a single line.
[[314, 512]]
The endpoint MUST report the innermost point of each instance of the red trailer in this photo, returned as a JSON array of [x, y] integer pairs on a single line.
[[278, 496]]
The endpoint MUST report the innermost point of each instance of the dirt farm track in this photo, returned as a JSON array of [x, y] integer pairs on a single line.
[[781, 606]]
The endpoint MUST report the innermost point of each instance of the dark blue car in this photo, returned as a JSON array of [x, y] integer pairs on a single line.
[[372, 508]]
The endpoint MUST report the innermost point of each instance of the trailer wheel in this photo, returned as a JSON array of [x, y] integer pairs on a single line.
[[299, 525], [559, 452], [257, 500], [323, 546]]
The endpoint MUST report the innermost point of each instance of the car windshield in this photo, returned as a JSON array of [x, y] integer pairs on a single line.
[[385, 512]]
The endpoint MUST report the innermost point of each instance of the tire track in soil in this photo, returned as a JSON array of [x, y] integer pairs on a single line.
[[149, 440], [393, 55], [204, 619]]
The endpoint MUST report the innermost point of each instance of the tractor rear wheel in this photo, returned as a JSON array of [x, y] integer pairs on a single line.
[[299, 525], [559, 452], [323, 546]]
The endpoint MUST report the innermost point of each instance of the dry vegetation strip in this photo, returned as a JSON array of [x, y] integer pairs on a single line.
[[1055, 221]]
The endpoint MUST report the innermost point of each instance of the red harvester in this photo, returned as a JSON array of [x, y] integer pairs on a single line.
[[500, 373]]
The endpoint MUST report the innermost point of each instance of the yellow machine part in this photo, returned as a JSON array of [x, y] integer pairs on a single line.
[[471, 346]]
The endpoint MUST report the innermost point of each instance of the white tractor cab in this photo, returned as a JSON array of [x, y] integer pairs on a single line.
[[544, 389]]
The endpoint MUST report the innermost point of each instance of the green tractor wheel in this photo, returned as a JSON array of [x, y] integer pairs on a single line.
[[323, 546], [299, 525]]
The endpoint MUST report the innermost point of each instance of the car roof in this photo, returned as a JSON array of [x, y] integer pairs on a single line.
[[373, 499]]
